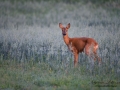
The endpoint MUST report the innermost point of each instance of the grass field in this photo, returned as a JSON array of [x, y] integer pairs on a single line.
[[41, 76], [33, 55]]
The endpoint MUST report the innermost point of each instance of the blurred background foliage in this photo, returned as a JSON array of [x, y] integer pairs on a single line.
[[67, 1]]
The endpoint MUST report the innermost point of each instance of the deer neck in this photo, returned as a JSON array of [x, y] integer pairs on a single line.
[[66, 39]]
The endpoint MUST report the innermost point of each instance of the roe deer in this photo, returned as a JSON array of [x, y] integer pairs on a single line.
[[78, 45]]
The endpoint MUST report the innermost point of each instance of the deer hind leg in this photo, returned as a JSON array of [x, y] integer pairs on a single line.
[[95, 54], [89, 51]]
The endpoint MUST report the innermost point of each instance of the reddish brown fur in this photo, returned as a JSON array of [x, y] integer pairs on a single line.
[[78, 45]]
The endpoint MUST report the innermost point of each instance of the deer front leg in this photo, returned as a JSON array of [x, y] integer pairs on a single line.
[[75, 59], [75, 53]]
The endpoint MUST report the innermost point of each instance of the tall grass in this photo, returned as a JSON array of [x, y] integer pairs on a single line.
[[31, 43]]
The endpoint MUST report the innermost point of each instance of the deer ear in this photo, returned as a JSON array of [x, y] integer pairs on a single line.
[[60, 25], [68, 26]]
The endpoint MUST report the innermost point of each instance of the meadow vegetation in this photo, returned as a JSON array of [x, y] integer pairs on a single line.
[[33, 55]]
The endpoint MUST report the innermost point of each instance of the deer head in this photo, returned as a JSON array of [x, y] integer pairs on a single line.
[[64, 29]]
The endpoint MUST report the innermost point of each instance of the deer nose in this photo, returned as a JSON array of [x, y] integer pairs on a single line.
[[64, 34]]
